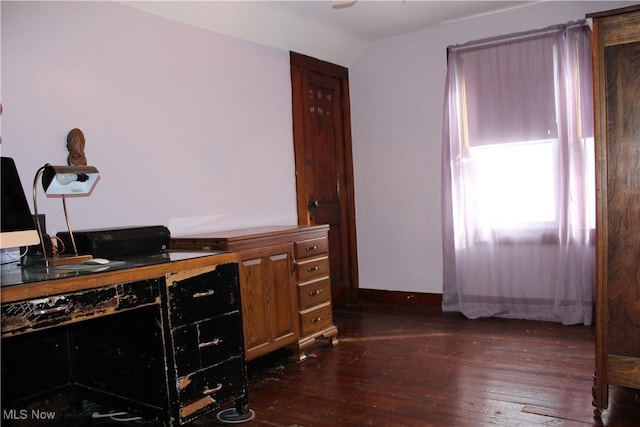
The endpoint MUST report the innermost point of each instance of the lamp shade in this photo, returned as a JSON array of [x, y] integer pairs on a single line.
[[64, 180]]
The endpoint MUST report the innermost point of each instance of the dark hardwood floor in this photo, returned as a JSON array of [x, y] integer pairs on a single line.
[[408, 366]]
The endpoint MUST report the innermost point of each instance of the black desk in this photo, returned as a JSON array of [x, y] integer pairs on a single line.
[[159, 335]]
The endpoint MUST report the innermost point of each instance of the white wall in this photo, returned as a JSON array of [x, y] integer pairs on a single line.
[[193, 130], [397, 95], [189, 128]]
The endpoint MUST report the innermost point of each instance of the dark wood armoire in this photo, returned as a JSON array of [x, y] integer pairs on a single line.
[[616, 66]]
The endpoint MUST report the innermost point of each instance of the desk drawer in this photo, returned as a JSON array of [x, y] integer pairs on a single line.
[[316, 319], [311, 247], [207, 343], [57, 310], [314, 293], [209, 388], [313, 268], [203, 296]]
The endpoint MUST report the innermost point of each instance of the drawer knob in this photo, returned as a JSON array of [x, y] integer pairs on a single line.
[[204, 294], [316, 268], [208, 391], [316, 319], [312, 248], [210, 343], [315, 293]]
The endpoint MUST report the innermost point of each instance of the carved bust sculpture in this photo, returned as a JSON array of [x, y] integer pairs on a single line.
[[75, 145]]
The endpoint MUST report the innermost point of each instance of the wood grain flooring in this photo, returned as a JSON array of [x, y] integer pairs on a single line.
[[407, 366]]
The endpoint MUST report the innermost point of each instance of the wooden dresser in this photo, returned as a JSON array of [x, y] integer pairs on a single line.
[[285, 284], [616, 66]]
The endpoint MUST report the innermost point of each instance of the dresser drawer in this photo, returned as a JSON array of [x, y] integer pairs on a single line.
[[313, 268], [208, 389], [311, 247], [316, 319], [207, 343], [57, 310], [314, 293], [202, 297]]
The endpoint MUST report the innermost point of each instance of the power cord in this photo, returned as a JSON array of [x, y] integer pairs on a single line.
[[7, 254], [116, 416]]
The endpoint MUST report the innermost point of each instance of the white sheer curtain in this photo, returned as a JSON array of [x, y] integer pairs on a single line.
[[517, 177]]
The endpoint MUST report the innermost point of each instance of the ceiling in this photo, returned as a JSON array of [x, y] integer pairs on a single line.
[[335, 31]]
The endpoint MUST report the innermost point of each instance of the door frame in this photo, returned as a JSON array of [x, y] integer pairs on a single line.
[[301, 63]]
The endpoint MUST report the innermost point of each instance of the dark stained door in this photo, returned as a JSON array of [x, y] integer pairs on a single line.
[[324, 169]]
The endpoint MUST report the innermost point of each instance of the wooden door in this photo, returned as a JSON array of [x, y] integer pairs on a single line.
[[268, 288], [255, 316], [324, 170], [282, 294]]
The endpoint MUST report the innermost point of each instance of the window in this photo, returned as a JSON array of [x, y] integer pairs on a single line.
[[515, 184], [518, 176]]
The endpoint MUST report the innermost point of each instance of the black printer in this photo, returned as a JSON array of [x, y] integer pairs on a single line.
[[117, 242]]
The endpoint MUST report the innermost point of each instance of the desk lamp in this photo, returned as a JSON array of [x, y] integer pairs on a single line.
[[64, 181]]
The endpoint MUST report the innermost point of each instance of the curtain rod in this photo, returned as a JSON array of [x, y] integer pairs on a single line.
[[517, 36]]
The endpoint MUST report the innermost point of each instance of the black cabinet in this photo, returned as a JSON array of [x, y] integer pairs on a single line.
[[204, 330]]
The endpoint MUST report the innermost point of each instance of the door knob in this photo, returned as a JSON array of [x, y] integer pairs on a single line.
[[312, 205]]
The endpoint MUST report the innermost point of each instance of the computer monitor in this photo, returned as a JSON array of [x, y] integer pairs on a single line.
[[17, 227]]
